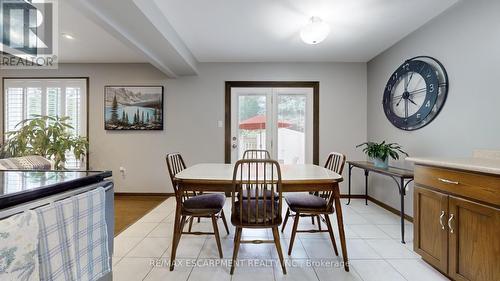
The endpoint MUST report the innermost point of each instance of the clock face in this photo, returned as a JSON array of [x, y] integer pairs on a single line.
[[415, 93]]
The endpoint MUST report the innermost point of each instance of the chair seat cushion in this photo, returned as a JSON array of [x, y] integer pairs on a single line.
[[253, 192], [204, 203], [305, 202], [252, 212]]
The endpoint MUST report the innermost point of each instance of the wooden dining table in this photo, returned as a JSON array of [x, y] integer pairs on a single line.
[[212, 177]]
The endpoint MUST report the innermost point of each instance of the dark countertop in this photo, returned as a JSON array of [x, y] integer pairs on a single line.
[[17, 187]]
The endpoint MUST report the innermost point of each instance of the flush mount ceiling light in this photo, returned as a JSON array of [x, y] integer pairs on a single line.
[[315, 32], [68, 36]]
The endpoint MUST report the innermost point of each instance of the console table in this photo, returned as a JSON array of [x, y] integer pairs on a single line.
[[402, 177]]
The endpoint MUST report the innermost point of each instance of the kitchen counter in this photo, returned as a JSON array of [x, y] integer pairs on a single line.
[[475, 164], [18, 187]]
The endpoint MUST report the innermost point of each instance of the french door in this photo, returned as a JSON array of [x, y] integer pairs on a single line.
[[277, 119]]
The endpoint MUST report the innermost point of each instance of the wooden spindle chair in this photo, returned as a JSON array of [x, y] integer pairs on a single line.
[[316, 205], [256, 154], [194, 205], [258, 212]]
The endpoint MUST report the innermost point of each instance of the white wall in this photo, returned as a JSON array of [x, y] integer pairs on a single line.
[[466, 39], [193, 105]]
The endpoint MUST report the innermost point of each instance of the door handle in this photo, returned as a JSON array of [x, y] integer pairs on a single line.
[[447, 181], [449, 223], [441, 219]]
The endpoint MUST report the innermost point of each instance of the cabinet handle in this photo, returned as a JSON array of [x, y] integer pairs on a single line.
[[449, 223], [441, 219], [447, 181]]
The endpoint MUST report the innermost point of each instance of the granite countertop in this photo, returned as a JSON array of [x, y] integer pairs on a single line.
[[477, 164], [17, 187]]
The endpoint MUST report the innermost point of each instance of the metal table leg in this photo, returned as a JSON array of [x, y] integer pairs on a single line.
[[366, 187], [402, 196], [350, 170]]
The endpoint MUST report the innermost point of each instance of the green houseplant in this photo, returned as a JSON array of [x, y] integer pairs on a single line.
[[380, 152], [47, 136]]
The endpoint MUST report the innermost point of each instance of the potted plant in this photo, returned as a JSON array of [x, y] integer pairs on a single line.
[[380, 152], [45, 136]]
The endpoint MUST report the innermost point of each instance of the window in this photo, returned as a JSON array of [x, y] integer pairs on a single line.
[[25, 98]]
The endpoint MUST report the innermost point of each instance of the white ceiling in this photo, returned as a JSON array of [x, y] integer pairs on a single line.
[[92, 44], [268, 30]]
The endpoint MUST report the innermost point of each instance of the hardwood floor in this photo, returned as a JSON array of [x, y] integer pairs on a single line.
[[130, 208]]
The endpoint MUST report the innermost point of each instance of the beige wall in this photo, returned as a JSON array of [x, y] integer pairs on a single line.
[[193, 105], [466, 39]]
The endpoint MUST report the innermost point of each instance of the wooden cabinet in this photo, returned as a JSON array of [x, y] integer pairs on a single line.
[[431, 241], [457, 230], [474, 241]]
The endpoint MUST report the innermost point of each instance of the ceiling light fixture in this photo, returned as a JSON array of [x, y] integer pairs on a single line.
[[68, 36], [315, 32]]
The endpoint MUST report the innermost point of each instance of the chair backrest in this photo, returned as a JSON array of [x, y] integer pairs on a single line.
[[256, 154], [262, 176], [335, 162], [175, 164]]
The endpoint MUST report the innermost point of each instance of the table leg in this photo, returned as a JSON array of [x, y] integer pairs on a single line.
[[366, 187], [175, 236], [350, 170], [340, 223], [402, 196]]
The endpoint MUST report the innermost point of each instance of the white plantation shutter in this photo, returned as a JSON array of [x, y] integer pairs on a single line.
[[25, 98], [14, 110], [33, 102], [73, 110], [53, 101]]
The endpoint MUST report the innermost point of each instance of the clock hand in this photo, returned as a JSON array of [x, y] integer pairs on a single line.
[[412, 101], [406, 83]]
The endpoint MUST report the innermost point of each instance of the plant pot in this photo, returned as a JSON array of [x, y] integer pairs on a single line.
[[382, 164]]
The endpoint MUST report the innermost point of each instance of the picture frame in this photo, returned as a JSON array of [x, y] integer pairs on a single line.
[[133, 108]]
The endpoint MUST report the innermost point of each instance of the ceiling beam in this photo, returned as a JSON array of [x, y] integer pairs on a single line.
[[140, 25]]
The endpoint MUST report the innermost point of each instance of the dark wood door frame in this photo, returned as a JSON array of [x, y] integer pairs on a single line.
[[271, 84]]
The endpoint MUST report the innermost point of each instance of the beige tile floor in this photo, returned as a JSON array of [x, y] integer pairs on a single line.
[[373, 246]]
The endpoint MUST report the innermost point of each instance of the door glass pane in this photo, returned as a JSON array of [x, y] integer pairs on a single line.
[[291, 129], [252, 123]]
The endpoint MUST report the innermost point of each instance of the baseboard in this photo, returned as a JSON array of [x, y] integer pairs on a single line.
[[389, 208], [352, 196]]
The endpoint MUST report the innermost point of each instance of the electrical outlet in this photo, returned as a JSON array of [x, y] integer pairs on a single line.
[[122, 171]]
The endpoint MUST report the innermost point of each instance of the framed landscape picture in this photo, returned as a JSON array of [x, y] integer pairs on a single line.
[[133, 107]]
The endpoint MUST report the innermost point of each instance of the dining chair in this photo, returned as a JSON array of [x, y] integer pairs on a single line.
[[194, 205], [256, 154], [256, 213], [314, 205]]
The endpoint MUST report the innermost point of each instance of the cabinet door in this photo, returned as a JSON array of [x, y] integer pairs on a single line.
[[474, 241], [430, 231]]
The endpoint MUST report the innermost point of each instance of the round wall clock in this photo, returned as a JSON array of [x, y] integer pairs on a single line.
[[415, 93]]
